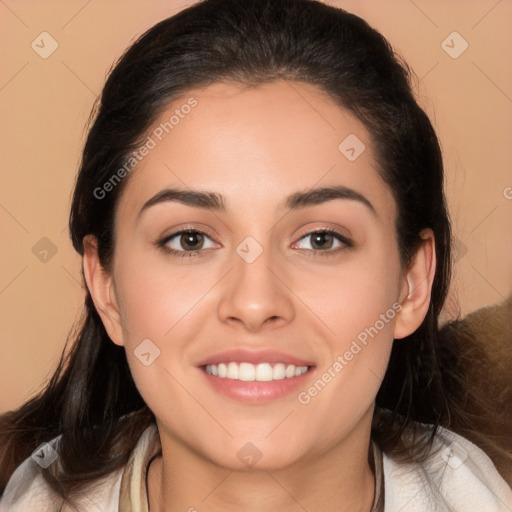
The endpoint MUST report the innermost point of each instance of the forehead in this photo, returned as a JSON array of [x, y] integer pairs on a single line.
[[257, 143]]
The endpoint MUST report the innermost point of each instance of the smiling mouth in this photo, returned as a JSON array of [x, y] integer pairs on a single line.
[[262, 372]]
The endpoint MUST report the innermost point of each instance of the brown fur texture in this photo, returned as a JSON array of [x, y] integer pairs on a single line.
[[477, 365]]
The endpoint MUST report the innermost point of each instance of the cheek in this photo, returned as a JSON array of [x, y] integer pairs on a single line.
[[357, 306], [155, 297], [352, 296], [160, 304]]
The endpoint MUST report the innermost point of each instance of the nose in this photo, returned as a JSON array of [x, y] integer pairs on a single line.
[[255, 297]]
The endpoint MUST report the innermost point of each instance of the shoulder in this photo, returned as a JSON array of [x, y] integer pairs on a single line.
[[457, 476], [28, 490]]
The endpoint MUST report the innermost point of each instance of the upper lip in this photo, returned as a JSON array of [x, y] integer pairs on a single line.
[[243, 355]]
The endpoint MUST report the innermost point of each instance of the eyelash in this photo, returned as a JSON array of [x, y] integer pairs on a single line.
[[347, 244]]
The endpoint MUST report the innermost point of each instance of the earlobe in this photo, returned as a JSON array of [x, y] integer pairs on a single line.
[[102, 290], [417, 287]]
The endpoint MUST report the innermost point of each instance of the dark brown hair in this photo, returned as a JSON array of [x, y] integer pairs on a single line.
[[91, 400]]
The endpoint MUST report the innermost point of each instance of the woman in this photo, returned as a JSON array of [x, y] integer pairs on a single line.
[[266, 250]]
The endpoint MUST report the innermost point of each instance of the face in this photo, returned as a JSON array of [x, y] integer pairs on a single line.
[[286, 270]]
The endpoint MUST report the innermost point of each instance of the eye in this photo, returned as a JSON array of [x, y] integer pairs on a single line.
[[324, 240], [187, 242], [191, 242]]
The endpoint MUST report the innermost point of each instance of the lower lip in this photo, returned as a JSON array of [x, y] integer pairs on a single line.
[[256, 392]]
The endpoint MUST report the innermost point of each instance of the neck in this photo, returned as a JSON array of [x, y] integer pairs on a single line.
[[340, 479]]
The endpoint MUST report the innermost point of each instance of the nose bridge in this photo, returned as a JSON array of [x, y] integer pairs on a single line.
[[253, 294]]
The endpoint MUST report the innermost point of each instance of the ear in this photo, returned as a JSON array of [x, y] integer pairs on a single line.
[[102, 290], [416, 287]]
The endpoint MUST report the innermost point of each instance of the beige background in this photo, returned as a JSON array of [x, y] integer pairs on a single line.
[[44, 104]]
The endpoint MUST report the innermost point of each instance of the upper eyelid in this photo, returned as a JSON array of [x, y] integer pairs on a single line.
[[186, 230], [339, 236]]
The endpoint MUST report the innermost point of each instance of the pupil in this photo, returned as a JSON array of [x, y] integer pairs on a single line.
[[321, 240], [190, 240]]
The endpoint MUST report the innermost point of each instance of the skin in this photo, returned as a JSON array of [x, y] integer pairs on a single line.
[[256, 146]]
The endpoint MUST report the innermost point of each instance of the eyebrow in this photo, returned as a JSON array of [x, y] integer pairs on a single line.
[[321, 195], [215, 202]]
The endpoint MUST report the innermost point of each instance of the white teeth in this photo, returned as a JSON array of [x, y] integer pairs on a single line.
[[290, 371], [232, 372], [248, 372], [263, 372], [278, 371]]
